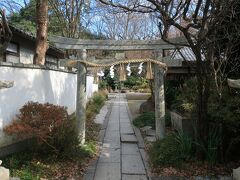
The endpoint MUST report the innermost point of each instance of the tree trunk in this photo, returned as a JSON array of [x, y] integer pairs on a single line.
[[5, 35], [42, 26], [203, 90]]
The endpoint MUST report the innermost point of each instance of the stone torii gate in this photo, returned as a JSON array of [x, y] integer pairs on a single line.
[[84, 45]]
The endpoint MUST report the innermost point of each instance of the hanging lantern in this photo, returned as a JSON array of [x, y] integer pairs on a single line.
[[122, 74], [149, 74]]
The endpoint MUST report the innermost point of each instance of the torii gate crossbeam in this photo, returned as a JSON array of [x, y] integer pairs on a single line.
[[159, 73]]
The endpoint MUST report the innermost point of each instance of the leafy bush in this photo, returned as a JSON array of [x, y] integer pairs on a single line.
[[164, 152], [148, 119], [145, 119], [225, 114], [186, 98], [95, 104], [48, 123], [98, 101], [59, 137], [172, 150]]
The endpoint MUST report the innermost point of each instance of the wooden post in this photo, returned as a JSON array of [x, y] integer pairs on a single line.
[[159, 74], [81, 98]]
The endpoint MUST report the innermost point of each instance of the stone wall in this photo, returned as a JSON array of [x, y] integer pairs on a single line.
[[182, 124]]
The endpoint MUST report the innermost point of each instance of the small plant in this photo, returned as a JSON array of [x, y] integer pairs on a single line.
[[185, 145], [211, 147], [98, 101]]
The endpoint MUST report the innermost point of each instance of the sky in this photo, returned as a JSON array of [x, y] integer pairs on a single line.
[[12, 5]]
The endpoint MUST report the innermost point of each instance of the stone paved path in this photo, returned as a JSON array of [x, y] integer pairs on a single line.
[[120, 157]]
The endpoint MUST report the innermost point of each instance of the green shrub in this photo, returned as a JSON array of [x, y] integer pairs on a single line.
[[95, 104], [224, 113], [164, 152], [185, 100], [24, 166], [98, 101], [172, 150], [145, 119], [148, 119]]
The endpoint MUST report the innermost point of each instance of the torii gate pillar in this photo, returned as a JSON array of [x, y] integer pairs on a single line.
[[81, 98], [159, 74]]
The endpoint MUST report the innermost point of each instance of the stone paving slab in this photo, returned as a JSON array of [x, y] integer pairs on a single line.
[[126, 130], [113, 127], [129, 148], [112, 139], [128, 138], [112, 145], [125, 120], [132, 164], [108, 171], [110, 155], [125, 124], [133, 177], [110, 134]]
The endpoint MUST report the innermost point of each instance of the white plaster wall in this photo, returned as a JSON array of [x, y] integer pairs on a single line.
[[95, 88], [35, 85], [90, 86]]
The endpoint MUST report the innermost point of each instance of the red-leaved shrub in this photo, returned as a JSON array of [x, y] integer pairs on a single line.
[[50, 124]]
